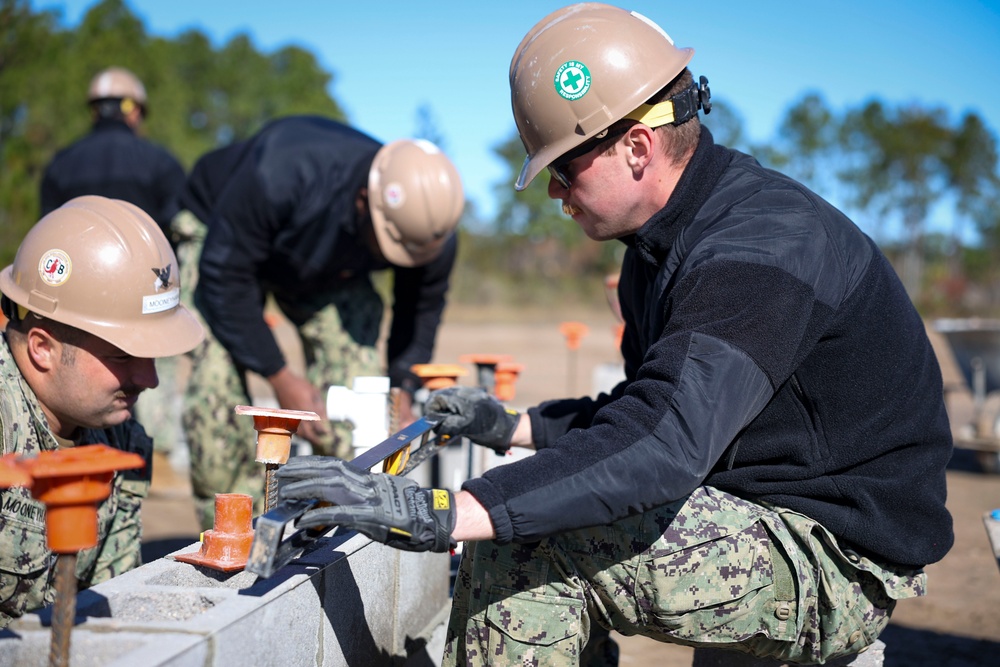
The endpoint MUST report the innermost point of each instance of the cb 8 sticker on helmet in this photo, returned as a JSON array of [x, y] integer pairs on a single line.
[[54, 267]]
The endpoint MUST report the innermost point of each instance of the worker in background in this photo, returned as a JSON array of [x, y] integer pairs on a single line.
[[769, 477], [113, 160], [302, 214], [92, 298]]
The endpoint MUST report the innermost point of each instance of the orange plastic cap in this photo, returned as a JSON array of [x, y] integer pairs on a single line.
[[505, 377], [275, 428], [618, 331], [438, 376], [226, 547], [574, 332], [71, 482], [11, 474]]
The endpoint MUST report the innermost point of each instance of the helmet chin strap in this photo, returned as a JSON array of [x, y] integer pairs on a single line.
[[678, 109]]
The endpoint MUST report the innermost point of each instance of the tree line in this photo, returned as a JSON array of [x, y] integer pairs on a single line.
[[199, 96], [889, 166]]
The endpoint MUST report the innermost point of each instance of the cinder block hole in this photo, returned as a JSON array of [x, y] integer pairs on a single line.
[[159, 606]]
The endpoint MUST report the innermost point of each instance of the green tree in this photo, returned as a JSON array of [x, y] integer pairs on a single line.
[[538, 221], [807, 141], [199, 97], [529, 212], [28, 43], [427, 127], [970, 161], [903, 161]]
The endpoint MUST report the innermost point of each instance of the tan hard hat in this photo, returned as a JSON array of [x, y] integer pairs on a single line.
[[415, 198], [116, 83], [103, 266], [580, 69]]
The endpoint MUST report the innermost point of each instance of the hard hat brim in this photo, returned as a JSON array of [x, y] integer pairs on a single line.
[[163, 335], [177, 333]]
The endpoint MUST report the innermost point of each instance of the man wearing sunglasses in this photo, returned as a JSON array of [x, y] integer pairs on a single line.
[[770, 476]]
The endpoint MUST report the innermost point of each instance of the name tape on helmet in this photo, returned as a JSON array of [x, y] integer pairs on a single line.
[[157, 303]]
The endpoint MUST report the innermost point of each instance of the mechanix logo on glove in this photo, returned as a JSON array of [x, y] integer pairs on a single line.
[[388, 509]]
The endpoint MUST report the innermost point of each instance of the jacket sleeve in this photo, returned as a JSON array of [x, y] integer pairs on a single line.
[[229, 295], [419, 298], [553, 419], [119, 548], [732, 330]]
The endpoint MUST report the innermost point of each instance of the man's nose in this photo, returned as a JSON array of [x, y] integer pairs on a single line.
[[144, 373]]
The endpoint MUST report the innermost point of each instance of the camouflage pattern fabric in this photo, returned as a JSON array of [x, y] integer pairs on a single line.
[[159, 409], [26, 564], [338, 331], [712, 570]]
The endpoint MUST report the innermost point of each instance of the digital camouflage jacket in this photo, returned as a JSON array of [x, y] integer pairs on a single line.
[[26, 564]]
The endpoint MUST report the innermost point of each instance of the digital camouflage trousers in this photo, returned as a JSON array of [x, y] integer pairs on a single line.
[[711, 570], [338, 330]]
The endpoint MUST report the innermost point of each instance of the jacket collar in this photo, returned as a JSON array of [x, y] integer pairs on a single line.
[[105, 124], [657, 235]]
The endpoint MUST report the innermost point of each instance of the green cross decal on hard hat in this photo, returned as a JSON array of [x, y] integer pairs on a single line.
[[572, 80]]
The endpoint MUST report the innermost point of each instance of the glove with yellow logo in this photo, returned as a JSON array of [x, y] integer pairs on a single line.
[[388, 509], [475, 414]]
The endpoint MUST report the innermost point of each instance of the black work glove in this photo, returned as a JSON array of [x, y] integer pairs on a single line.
[[388, 509], [472, 412]]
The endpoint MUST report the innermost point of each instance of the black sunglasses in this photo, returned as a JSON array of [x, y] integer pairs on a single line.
[[558, 166]]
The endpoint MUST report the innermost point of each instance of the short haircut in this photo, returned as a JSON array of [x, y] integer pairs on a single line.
[[69, 336], [681, 140]]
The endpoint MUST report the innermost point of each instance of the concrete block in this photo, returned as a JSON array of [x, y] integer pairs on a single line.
[[359, 608], [341, 603], [420, 596], [30, 648]]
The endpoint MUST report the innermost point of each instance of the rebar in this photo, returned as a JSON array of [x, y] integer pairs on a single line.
[[64, 610], [270, 486]]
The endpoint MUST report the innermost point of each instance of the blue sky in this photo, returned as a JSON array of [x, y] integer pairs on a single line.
[[389, 58]]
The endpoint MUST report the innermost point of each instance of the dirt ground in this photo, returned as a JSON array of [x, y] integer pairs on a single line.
[[956, 625]]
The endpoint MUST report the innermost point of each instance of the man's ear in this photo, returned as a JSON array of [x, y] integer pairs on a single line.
[[639, 143], [44, 351]]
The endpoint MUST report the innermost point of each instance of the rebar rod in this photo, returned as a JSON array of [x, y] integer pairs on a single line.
[[270, 486], [64, 610]]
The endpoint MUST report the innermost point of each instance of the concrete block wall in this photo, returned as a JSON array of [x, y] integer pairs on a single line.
[[348, 601]]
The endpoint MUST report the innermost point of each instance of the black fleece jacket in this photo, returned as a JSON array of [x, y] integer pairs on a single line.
[[771, 352], [281, 219], [112, 161]]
